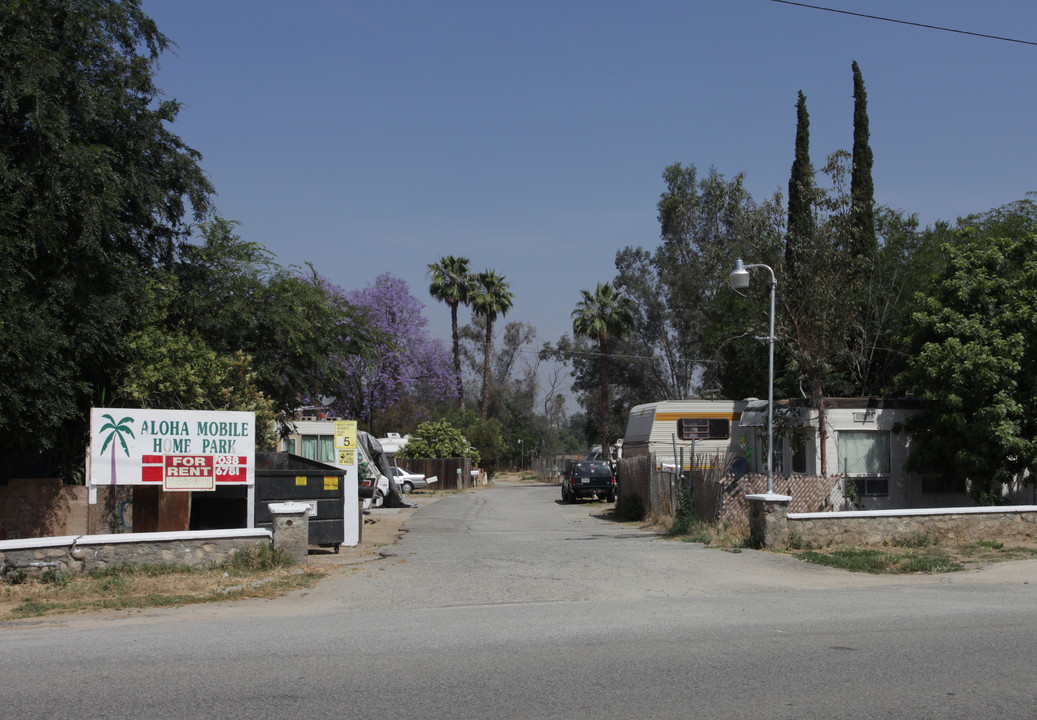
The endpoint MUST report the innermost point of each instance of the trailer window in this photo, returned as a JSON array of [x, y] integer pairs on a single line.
[[864, 459], [318, 447], [703, 429]]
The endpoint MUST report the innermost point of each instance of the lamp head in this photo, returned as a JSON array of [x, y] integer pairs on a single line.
[[739, 277]]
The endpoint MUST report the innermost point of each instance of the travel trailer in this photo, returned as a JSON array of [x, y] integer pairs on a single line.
[[699, 428]]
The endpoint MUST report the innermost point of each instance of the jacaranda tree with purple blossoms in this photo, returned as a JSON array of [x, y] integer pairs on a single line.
[[408, 364]]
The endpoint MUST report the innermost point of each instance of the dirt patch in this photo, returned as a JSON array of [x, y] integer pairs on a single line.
[[382, 527]]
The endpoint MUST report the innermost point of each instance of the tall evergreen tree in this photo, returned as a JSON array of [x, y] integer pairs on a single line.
[[862, 240], [801, 183]]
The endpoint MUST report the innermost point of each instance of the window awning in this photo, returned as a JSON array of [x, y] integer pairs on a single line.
[[754, 415]]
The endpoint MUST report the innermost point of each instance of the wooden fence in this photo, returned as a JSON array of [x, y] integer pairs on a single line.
[[453, 473]]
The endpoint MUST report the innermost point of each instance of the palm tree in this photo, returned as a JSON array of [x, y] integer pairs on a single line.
[[492, 297], [452, 283], [116, 430], [608, 313]]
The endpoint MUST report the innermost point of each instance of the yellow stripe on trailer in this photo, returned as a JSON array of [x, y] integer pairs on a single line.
[[698, 416]]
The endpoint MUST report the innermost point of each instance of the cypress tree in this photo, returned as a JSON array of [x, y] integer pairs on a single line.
[[863, 243], [801, 182]]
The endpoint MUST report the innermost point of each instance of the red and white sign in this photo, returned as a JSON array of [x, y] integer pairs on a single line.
[[189, 472]]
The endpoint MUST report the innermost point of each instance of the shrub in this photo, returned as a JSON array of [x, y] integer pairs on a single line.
[[684, 518], [918, 540]]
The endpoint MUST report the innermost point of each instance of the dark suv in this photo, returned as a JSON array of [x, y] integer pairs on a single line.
[[589, 478]]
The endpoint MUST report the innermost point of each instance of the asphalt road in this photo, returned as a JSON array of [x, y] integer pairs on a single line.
[[505, 603]]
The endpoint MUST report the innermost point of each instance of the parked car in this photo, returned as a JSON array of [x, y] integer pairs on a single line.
[[589, 478], [409, 481], [373, 491]]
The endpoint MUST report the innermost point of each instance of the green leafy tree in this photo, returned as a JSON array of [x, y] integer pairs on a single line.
[[436, 440], [297, 330], [690, 335], [907, 262], [95, 191], [452, 282], [973, 355], [603, 315], [492, 297], [487, 443], [171, 366]]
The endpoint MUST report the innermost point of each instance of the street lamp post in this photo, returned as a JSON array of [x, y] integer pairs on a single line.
[[740, 280], [522, 457]]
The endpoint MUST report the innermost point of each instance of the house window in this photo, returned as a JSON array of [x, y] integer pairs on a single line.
[[703, 429], [864, 459], [871, 486], [318, 447], [790, 454]]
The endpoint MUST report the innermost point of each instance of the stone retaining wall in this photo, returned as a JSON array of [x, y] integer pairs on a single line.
[[876, 527], [84, 553]]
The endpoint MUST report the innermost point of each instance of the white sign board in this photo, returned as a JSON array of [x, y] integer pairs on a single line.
[[173, 449]]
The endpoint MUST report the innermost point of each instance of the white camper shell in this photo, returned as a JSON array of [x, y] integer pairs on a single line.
[[702, 428]]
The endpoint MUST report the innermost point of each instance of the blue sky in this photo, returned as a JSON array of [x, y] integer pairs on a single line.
[[377, 136]]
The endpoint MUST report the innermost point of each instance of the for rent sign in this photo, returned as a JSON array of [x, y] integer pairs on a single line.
[[179, 449]]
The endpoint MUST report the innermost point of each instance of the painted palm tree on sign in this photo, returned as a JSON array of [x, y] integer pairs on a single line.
[[452, 282], [492, 297], [605, 314], [115, 431]]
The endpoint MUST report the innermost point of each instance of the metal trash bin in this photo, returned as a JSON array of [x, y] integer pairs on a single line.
[[284, 477]]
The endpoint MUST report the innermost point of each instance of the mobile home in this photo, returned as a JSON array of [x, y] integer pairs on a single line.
[[867, 443]]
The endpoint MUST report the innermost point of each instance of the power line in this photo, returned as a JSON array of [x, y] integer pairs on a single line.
[[581, 353], [906, 22]]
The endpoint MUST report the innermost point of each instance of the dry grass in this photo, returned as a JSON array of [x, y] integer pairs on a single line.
[[920, 554], [146, 586], [727, 536]]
